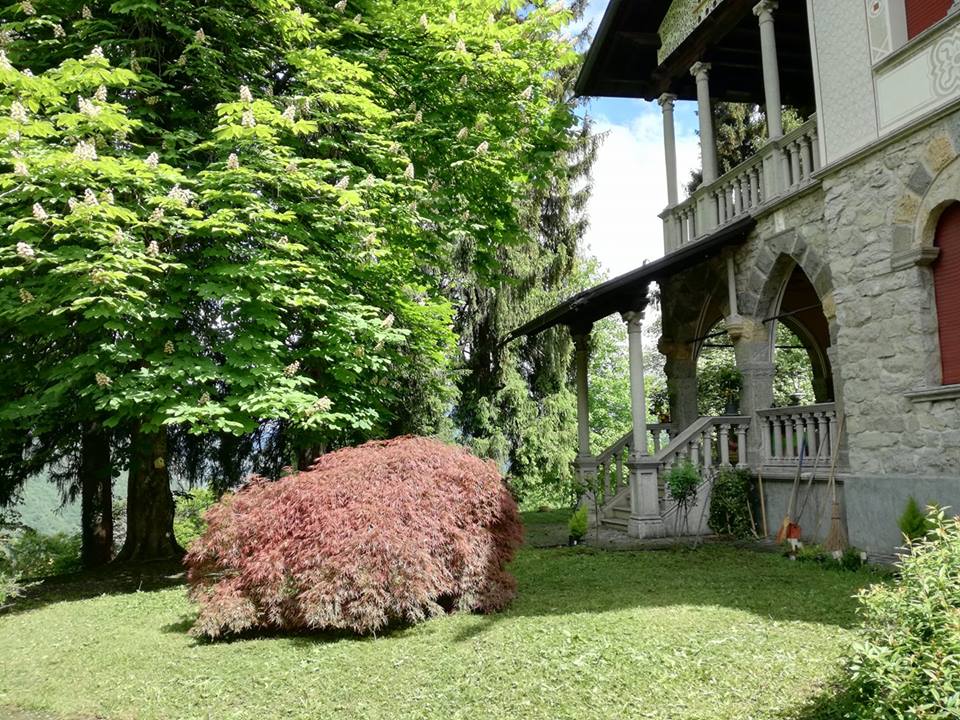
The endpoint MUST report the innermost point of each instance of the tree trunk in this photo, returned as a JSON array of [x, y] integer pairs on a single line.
[[150, 505], [96, 497]]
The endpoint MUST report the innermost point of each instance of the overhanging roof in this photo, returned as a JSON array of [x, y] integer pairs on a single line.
[[622, 59], [628, 291]]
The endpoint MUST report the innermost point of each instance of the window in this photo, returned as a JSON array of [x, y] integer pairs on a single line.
[[922, 14], [946, 279]]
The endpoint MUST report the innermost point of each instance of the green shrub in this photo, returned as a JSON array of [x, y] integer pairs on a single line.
[[9, 587], [188, 522], [578, 523], [849, 559], [913, 523], [908, 663], [729, 503], [31, 555], [682, 481]]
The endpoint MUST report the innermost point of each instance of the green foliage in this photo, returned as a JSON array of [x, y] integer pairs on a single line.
[[32, 555], [188, 522], [578, 523], [9, 587], [849, 559], [908, 662], [729, 503], [913, 523], [682, 481]]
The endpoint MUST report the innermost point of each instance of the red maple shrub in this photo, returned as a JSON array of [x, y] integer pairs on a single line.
[[395, 530]]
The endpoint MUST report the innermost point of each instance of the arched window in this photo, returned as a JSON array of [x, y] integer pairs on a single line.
[[922, 14], [946, 279]]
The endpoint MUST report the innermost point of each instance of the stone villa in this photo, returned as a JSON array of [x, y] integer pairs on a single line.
[[846, 229]]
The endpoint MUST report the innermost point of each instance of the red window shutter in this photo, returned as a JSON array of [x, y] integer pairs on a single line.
[[921, 14], [946, 279]]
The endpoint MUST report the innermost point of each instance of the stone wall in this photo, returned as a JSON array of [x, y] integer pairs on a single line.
[[863, 236]]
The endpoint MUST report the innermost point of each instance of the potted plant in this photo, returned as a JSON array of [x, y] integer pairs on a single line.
[[730, 380], [577, 525], [660, 405]]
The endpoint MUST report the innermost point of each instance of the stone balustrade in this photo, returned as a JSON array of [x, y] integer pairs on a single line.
[[785, 431], [782, 167], [612, 474]]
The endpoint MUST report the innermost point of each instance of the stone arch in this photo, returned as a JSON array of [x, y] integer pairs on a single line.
[[944, 190]]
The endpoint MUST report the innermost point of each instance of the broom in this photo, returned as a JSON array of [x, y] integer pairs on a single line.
[[788, 528], [837, 537]]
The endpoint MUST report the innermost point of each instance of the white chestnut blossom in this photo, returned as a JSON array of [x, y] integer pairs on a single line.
[[85, 13], [200, 36], [5, 61], [72, 204], [247, 119], [20, 169], [152, 160], [483, 147], [418, 118], [462, 135], [452, 17], [85, 150], [87, 108], [157, 214], [409, 172], [58, 31], [118, 236], [341, 6], [423, 21], [103, 380], [343, 183], [461, 46], [291, 168], [463, 81], [204, 399], [527, 92], [383, 55], [153, 249], [323, 404], [90, 197], [394, 148], [290, 113], [101, 94], [180, 195], [358, 18], [27, 7], [292, 369], [387, 322], [18, 113], [497, 47], [96, 53], [25, 251], [98, 277], [168, 347], [245, 95], [134, 63], [25, 296], [233, 162], [39, 214], [107, 197]]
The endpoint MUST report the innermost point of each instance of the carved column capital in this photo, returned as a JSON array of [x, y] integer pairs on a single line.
[[764, 10], [666, 101], [634, 320], [701, 70]]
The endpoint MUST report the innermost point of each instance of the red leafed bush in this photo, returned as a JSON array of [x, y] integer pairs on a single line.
[[396, 530]]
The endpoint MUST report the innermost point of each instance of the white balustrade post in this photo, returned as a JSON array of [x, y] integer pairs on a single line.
[[741, 446], [585, 463], [670, 147], [725, 445], [771, 71], [708, 143], [638, 404]]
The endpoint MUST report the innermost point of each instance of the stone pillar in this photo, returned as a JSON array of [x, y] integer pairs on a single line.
[[681, 371], [670, 147], [638, 404], [581, 341], [751, 345], [708, 143], [771, 71]]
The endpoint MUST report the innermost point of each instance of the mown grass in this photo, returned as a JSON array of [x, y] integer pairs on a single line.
[[714, 633]]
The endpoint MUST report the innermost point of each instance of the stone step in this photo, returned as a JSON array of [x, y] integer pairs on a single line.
[[615, 522]]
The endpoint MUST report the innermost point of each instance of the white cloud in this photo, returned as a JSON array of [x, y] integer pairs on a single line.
[[630, 189]]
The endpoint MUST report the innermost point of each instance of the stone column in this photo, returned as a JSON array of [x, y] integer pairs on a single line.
[[638, 404], [751, 345], [771, 71], [670, 147], [581, 341], [645, 520], [681, 371], [708, 143]]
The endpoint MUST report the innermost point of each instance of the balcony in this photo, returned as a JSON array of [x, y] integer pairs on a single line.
[[783, 168]]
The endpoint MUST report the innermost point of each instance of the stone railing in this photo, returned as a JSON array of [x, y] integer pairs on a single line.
[[781, 168], [784, 431], [611, 465], [709, 443]]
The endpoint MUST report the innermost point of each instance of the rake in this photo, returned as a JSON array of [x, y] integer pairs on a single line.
[[837, 537]]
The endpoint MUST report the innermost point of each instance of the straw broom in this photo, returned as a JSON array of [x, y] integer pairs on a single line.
[[837, 538]]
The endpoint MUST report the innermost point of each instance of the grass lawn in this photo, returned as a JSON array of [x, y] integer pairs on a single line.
[[713, 633]]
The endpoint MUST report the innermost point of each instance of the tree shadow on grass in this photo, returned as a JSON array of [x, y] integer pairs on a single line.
[[570, 581], [839, 700], [110, 580]]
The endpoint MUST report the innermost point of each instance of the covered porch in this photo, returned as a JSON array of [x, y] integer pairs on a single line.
[[627, 478]]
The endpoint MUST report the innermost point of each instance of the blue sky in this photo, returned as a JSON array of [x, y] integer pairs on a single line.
[[629, 180]]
